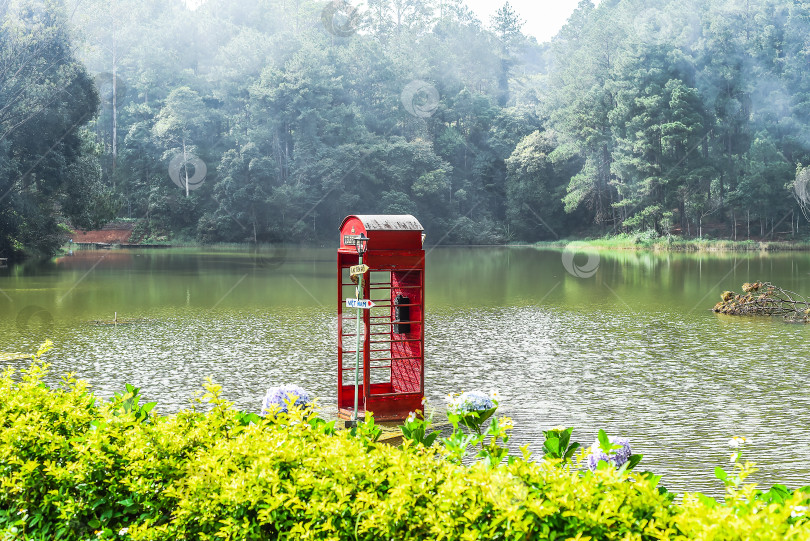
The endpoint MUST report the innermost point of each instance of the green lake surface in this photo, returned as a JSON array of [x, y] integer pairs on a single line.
[[633, 349]]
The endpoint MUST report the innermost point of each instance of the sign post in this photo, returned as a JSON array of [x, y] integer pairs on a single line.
[[358, 295], [361, 243]]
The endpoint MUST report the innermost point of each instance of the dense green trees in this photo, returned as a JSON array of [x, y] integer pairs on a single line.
[[257, 120], [48, 162], [406, 108], [686, 114]]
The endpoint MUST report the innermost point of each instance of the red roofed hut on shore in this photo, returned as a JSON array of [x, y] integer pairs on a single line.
[[114, 233]]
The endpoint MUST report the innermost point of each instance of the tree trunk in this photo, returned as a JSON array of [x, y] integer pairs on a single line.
[[748, 223], [114, 106], [734, 224], [185, 164]]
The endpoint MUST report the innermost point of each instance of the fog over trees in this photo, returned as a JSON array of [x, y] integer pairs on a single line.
[[270, 120]]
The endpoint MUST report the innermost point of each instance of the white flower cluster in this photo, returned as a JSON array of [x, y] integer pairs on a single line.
[[736, 442], [798, 511]]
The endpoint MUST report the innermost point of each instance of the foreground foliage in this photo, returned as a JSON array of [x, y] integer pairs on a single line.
[[74, 467]]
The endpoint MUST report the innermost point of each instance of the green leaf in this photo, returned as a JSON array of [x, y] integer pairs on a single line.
[[565, 438], [149, 406], [571, 450], [720, 473], [552, 445], [633, 461], [484, 415], [706, 500], [651, 477], [604, 441], [431, 438]]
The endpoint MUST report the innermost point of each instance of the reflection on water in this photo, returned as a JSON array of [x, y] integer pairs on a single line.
[[632, 349]]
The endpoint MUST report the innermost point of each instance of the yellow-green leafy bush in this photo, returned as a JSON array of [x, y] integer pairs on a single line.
[[72, 467]]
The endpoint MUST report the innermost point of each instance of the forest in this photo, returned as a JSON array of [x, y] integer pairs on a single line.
[[264, 121]]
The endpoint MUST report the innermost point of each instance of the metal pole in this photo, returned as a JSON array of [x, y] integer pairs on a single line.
[[358, 292]]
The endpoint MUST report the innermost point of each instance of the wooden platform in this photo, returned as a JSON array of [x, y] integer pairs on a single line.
[[395, 420], [392, 435], [96, 245]]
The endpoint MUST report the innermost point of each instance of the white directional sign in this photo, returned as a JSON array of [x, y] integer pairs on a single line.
[[365, 304], [358, 269]]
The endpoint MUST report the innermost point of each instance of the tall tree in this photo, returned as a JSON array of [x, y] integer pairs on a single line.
[[46, 97], [180, 124]]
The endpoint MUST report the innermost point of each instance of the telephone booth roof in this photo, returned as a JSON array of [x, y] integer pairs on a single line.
[[385, 231]]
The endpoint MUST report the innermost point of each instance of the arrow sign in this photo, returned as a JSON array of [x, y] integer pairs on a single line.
[[365, 304], [358, 269]]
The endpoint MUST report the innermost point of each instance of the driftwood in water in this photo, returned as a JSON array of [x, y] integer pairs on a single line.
[[117, 321], [765, 299]]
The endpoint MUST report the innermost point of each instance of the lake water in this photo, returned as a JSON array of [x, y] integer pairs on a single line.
[[633, 349]]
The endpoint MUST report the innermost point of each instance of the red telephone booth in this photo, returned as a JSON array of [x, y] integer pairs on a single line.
[[392, 367]]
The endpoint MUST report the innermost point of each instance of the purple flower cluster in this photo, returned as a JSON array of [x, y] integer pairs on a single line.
[[469, 402], [617, 457], [279, 396]]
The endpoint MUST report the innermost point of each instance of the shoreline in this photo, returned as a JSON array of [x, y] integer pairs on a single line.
[[622, 243], [671, 244]]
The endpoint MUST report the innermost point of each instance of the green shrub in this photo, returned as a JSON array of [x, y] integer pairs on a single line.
[[73, 467]]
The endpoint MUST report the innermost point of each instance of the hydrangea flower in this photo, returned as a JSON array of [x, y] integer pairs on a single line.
[[472, 401], [617, 457], [279, 396]]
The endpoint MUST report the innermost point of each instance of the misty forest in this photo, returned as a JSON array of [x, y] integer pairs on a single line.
[[270, 120]]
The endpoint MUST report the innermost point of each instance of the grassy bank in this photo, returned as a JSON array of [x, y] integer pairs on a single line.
[[680, 244]]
